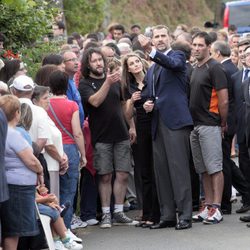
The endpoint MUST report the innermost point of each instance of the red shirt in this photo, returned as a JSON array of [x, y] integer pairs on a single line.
[[64, 110]]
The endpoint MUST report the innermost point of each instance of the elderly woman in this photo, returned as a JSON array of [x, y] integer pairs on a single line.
[[56, 159], [23, 170], [65, 114], [133, 71]]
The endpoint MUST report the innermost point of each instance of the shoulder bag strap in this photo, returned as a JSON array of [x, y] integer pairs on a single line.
[[60, 124]]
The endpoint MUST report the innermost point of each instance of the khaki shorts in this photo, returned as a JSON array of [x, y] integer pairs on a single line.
[[112, 156]]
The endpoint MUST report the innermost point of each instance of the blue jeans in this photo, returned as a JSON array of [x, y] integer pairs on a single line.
[[68, 181]]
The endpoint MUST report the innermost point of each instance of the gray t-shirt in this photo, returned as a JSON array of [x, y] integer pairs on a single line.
[[16, 171]]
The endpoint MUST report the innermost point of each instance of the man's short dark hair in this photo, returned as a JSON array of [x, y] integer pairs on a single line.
[[232, 27], [60, 25], [85, 66], [93, 36], [76, 35], [114, 46], [52, 59], [204, 35], [135, 26], [213, 36], [92, 44], [58, 82], [70, 40], [119, 27]]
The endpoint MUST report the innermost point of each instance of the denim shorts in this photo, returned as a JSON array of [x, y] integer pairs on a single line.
[[112, 156], [49, 211], [19, 212]]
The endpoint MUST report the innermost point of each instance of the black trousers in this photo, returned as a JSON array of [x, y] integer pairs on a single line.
[[244, 161], [195, 184], [232, 176], [89, 193], [144, 174]]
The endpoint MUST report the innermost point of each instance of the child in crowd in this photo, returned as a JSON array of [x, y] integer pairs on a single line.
[[48, 205]]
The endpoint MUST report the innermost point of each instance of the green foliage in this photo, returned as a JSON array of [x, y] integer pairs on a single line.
[[83, 16], [25, 21], [33, 56]]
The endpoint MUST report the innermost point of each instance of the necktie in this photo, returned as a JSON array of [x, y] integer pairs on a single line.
[[246, 74], [156, 69]]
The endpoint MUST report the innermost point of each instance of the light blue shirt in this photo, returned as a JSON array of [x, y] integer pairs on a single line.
[[16, 171]]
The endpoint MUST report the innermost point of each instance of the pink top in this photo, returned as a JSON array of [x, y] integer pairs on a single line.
[[64, 110]]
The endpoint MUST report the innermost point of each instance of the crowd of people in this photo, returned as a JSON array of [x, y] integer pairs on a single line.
[[147, 120]]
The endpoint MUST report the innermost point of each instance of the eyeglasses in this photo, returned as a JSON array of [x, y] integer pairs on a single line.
[[71, 59]]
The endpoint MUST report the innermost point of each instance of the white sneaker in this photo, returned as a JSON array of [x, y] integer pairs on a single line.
[[72, 245], [214, 216], [77, 223], [73, 236], [202, 215], [92, 222], [59, 245]]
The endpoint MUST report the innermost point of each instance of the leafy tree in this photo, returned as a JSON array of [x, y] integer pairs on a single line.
[[25, 21], [34, 55], [83, 16]]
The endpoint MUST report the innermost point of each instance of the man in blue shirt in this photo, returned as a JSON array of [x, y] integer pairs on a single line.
[[71, 66]]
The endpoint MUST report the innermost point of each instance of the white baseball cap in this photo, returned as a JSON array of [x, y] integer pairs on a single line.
[[23, 83]]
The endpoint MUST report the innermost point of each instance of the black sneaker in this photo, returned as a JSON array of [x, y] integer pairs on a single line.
[[120, 218]]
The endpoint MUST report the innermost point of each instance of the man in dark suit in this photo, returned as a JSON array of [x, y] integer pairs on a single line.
[[246, 100], [246, 96], [244, 161], [167, 87], [220, 51]]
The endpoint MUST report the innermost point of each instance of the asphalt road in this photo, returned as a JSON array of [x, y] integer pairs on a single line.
[[231, 234]]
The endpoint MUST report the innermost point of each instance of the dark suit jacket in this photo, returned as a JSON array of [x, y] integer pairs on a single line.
[[246, 97], [171, 101], [230, 69], [239, 106]]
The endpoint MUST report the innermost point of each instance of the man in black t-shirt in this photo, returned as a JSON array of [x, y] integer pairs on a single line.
[[102, 98], [208, 106]]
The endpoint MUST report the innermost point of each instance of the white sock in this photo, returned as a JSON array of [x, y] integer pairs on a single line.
[[118, 208], [105, 210]]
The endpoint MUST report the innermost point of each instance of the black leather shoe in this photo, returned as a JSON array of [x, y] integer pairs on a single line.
[[243, 209], [183, 224], [147, 225], [226, 211], [140, 224], [245, 218], [163, 224]]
